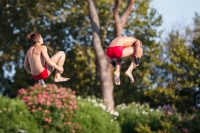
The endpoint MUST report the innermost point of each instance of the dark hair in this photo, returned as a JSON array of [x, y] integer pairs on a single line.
[[34, 37]]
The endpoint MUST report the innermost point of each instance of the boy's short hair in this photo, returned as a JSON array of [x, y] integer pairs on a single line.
[[34, 37]]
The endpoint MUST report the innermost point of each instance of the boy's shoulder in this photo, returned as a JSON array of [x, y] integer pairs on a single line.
[[31, 49], [43, 46]]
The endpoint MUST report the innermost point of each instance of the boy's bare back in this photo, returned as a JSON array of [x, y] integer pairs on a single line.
[[123, 41], [36, 59]]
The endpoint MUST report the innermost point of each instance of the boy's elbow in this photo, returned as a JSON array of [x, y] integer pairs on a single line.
[[25, 66], [48, 61], [138, 43]]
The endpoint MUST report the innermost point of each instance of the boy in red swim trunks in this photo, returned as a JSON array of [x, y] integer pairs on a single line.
[[39, 64], [122, 47]]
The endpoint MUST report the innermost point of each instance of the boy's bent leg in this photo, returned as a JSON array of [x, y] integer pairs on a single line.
[[129, 71], [128, 51], [59, 59], [55, 58], [117, 72], [132, 65]]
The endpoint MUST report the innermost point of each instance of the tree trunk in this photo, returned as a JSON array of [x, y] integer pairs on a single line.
[[103, 64], [121, 21]]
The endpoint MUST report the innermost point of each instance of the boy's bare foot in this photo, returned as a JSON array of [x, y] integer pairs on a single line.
[[129, 74], [61, 79], [117, 78]]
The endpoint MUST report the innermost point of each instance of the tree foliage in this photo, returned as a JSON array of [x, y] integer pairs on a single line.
[[180, 70], [168, 72], [65, 25]]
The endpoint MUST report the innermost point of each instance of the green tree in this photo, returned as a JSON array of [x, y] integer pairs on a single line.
[[180, 70], [65, 25]]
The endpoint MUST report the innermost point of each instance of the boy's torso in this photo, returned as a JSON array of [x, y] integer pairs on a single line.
[[123, 41], [36, 59]]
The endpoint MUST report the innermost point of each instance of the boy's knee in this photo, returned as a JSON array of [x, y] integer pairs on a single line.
[[62, 52], [138, 43]]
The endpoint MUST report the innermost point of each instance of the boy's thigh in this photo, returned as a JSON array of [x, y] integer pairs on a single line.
[[128, 51], [49, 68]]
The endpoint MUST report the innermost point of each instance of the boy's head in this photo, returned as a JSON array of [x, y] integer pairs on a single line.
[[35, 37]]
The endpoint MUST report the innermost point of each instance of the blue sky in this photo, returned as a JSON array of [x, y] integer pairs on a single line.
[[176, 13]]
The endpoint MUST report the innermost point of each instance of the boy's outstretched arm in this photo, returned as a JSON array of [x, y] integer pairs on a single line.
[[138, 45], [26, 65]]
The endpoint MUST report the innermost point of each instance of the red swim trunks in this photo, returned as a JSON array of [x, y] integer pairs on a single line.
[[42, 75], [114, 52]]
